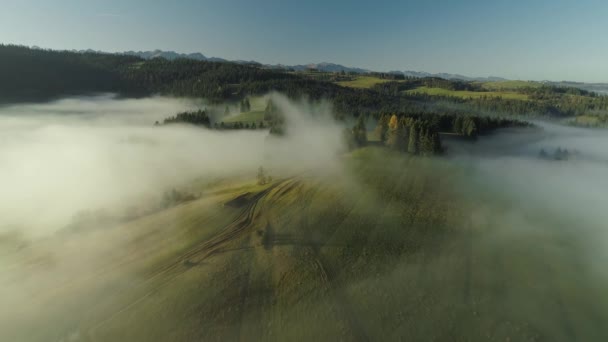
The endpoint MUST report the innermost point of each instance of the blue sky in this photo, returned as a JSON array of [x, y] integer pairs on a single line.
[[554, 40]]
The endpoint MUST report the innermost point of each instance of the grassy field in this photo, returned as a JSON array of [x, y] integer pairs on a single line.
[[589, 120], [509, 85], [395, 248], [248, 117], [468, 94], [362, 82]]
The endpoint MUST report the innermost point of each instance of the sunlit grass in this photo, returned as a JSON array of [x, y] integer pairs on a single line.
[[510, 95]]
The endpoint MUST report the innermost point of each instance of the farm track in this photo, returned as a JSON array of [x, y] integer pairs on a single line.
[[229, 233], [200, 252]]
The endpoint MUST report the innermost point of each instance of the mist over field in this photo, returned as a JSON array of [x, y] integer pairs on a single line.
[[61, 158], [183, 172], [553, 196], [102, 152]]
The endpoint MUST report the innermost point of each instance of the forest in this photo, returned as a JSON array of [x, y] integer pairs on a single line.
[[35, 75]]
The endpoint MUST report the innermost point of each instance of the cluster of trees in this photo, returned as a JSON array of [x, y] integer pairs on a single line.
[[436, 82], [412, 134], [550, 92], [263, 177], [273, 115], [460, 123], [420, 133], [199, 118], [558, 154], [245, 105], [216, 81], [239, 125], [174, 197], [39, 75], [357, 136], [465, 126]]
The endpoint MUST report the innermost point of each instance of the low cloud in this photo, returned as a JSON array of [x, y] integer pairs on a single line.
[[59, 158]]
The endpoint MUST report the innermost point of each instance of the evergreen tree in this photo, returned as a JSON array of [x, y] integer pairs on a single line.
[[382, 128], [261, 176], [413, 146], [437, 147], [247, 105], [458, 125], [270, 111], [471, 128], [349, 139], [360, 131]]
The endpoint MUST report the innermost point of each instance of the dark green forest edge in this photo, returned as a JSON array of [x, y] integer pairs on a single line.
[[408, 120]]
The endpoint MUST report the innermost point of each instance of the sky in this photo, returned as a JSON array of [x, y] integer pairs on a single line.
[[517, 39]]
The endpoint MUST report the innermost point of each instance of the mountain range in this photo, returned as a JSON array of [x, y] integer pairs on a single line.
[[325, 66], [333, 67]]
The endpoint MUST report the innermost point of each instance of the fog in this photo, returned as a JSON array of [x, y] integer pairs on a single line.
[[569, 195], [92, 153], [544, 218]]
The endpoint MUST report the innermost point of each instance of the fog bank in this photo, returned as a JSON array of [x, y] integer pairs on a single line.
[[91, 153]]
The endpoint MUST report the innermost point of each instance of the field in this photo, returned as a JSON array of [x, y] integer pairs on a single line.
[[509, 85], [256, 115], [468, 94], [313, 257], [589, 120], [248, 117], [362, 82]]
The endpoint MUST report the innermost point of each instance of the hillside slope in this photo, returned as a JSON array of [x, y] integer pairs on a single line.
[[390, 250]]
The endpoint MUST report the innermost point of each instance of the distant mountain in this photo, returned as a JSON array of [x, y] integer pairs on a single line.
[[170, 55], [325, 66], [328, 67], [449, 76]]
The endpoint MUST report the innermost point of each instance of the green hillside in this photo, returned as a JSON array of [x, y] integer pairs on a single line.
[[248, 117], [362, 82], [468, 94], [510, 85], [411, 253]]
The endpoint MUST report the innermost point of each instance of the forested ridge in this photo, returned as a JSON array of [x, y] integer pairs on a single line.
[[37, 75]]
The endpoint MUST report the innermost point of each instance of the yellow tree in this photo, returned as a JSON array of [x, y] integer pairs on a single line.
[[395, 133]]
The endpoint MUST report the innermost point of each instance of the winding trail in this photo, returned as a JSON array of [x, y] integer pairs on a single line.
[[200, 252]]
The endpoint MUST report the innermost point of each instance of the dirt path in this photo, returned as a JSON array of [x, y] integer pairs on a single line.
[[197, 254]]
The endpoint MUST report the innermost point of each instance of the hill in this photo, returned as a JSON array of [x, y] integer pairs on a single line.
[[310, 257], [41, 75]]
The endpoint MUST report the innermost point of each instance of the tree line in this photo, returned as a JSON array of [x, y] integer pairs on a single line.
[[420, 133], [198, 118], [33, 74]]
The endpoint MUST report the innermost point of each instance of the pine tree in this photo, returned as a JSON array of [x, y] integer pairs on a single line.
[[247, 104], [360, 131], [261, 176], [413, 146], [471, 128], [437, 147], [382, 128], [269, 111]]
